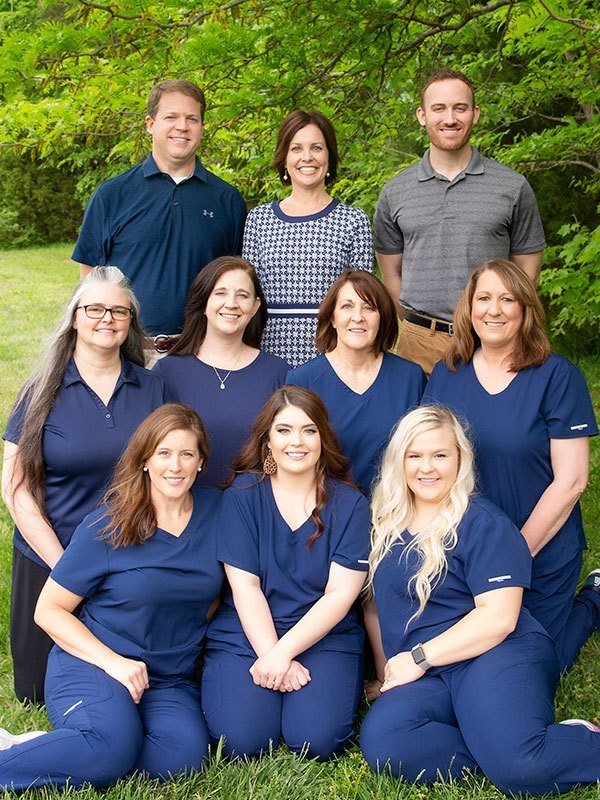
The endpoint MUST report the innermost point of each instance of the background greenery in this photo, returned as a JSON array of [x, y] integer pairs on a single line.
[[75, 75], [37, 283]]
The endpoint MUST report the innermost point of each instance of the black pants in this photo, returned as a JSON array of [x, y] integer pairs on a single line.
[[29, 644]]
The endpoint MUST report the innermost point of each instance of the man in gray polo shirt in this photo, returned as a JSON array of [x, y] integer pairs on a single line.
[[440, 218]]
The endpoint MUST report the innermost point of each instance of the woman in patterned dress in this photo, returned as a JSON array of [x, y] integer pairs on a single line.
[[300, 244]]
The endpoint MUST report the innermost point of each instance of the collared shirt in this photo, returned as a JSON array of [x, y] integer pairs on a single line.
[[83, 439], [446, 228], [161, 233]]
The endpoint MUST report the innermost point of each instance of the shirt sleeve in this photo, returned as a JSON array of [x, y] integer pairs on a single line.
[[352, 547], [493, 551], [567, 405], [85, 563], [388, 238], [14, 426], [526, 230], [93, 243], [361, 255], [250, 247], [237, 544], [239, 212]]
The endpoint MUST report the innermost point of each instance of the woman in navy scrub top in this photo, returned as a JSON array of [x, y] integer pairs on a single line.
[[284, 652], [216, 367], [466, 676], [365, 388], [68, 428], [120, 688], [530, 416]]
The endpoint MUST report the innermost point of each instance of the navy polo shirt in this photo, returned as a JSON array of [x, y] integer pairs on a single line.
[[161, 234], [148, 601], [255, 537], [490, 554], [363, 422], [82, 441]]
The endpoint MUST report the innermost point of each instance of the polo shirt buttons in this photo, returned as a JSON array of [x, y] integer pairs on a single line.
[[107, 416], [176, 202]]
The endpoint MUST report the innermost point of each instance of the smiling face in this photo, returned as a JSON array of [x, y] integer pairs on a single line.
[[496, 315], [294, 441], [107, 333], [356, 321], [173, 466], [307, 159], [448, 114], [232, 303], [176, 131], [431, 466]]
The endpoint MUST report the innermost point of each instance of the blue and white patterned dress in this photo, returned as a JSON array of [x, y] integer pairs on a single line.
[[297, 259]]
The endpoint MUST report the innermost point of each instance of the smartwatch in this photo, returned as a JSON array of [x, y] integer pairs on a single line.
[[419, 657]]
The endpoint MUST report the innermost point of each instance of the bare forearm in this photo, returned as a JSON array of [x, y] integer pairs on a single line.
[[549, 515], [374, 634], [255, 616], [315, 624], [33, 527], [476, 633], [72, 636]]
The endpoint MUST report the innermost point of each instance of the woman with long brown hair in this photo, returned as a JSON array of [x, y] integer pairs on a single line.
[[530, 415], [69, 426], [120, 688], [284, 652], [217, 366]]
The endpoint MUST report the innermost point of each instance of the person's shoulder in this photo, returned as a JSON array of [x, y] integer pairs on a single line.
[[343, 495], [145, 377], [252, 481], [121, 181], [173, 364], [352, 213], [262, 212], [221, 185], [310, 371], [498, 171], [482, 512], [554, 366], [272, 363], [208, 497], [407, 174], [402, 366]]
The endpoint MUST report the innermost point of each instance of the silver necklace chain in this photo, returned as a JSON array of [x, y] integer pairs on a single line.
[[223, 379]]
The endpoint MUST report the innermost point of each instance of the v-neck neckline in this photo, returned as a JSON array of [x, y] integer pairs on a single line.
[[293, 531], [482, 387], [349, 388]]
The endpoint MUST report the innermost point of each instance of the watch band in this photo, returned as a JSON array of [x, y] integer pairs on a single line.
[[419, 657]]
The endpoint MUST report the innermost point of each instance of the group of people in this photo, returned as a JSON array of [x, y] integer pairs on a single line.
[[197, 574]]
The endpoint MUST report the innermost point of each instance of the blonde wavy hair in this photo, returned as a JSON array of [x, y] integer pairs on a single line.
[[393, 504]]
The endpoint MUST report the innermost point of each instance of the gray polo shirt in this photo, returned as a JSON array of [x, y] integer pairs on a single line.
[[447, 228]]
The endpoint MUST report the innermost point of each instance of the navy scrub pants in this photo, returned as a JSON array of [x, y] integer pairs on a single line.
[[493, 714], [318, 719], [570, 619], [100, 734]]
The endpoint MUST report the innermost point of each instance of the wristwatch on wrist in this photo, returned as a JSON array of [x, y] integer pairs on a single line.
[[419, 657]]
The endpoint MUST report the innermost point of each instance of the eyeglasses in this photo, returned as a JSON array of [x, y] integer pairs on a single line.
[[96, 311]]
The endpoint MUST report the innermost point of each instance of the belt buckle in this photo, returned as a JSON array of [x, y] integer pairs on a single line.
[[450, 329], [162, 343]]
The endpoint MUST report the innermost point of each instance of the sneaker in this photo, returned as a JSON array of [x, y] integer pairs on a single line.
[[8, 739], [586, 724], [593, 581]]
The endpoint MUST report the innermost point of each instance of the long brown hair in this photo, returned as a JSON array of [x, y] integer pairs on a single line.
[[130, 512], [372, 291], [331, 463], [194, 324], [532, 348], [43, 385]]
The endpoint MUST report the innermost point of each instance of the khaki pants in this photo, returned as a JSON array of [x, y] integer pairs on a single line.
[[422, 345]]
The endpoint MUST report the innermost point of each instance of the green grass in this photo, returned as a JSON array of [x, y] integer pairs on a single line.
[[37, 283]]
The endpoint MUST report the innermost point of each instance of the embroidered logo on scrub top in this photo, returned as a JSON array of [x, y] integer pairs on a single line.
[[499, 579], [579, 427]]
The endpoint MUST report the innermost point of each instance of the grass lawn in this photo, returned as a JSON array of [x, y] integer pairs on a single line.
[[36, 284]]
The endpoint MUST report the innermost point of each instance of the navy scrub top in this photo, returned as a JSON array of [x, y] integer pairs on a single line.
[[363, 422], [490, 554], [148, 601], [227, 413], [255, 537], [83, 439], [511, 433]]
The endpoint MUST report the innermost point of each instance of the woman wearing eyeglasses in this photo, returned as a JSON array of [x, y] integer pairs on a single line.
[[67, 429]]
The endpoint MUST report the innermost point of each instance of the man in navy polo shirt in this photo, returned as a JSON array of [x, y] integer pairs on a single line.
[[162, 221], [440, 218]]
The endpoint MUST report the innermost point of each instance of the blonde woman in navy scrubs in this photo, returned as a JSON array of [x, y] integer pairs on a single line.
[[364, 386], [284, 652], [466, 676], [121, 692], [530, 415], [69, 426]]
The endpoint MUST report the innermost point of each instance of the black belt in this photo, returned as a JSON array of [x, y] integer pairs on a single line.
[[429, 322]]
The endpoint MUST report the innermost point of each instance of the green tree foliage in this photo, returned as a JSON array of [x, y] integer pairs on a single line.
[[76, 74]]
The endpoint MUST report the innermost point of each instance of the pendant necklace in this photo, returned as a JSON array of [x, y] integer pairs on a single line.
[[224, 378]]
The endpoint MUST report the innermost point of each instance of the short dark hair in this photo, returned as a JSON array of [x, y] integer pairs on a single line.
[[290, 126], [194, 323], [446, 74], [168, 87], [372, 291]]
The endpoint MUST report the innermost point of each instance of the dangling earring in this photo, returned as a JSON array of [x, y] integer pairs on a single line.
[[286, 177], [145, 469], [269, 464]]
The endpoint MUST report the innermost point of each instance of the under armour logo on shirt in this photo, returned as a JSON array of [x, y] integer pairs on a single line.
[[208, 213]]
